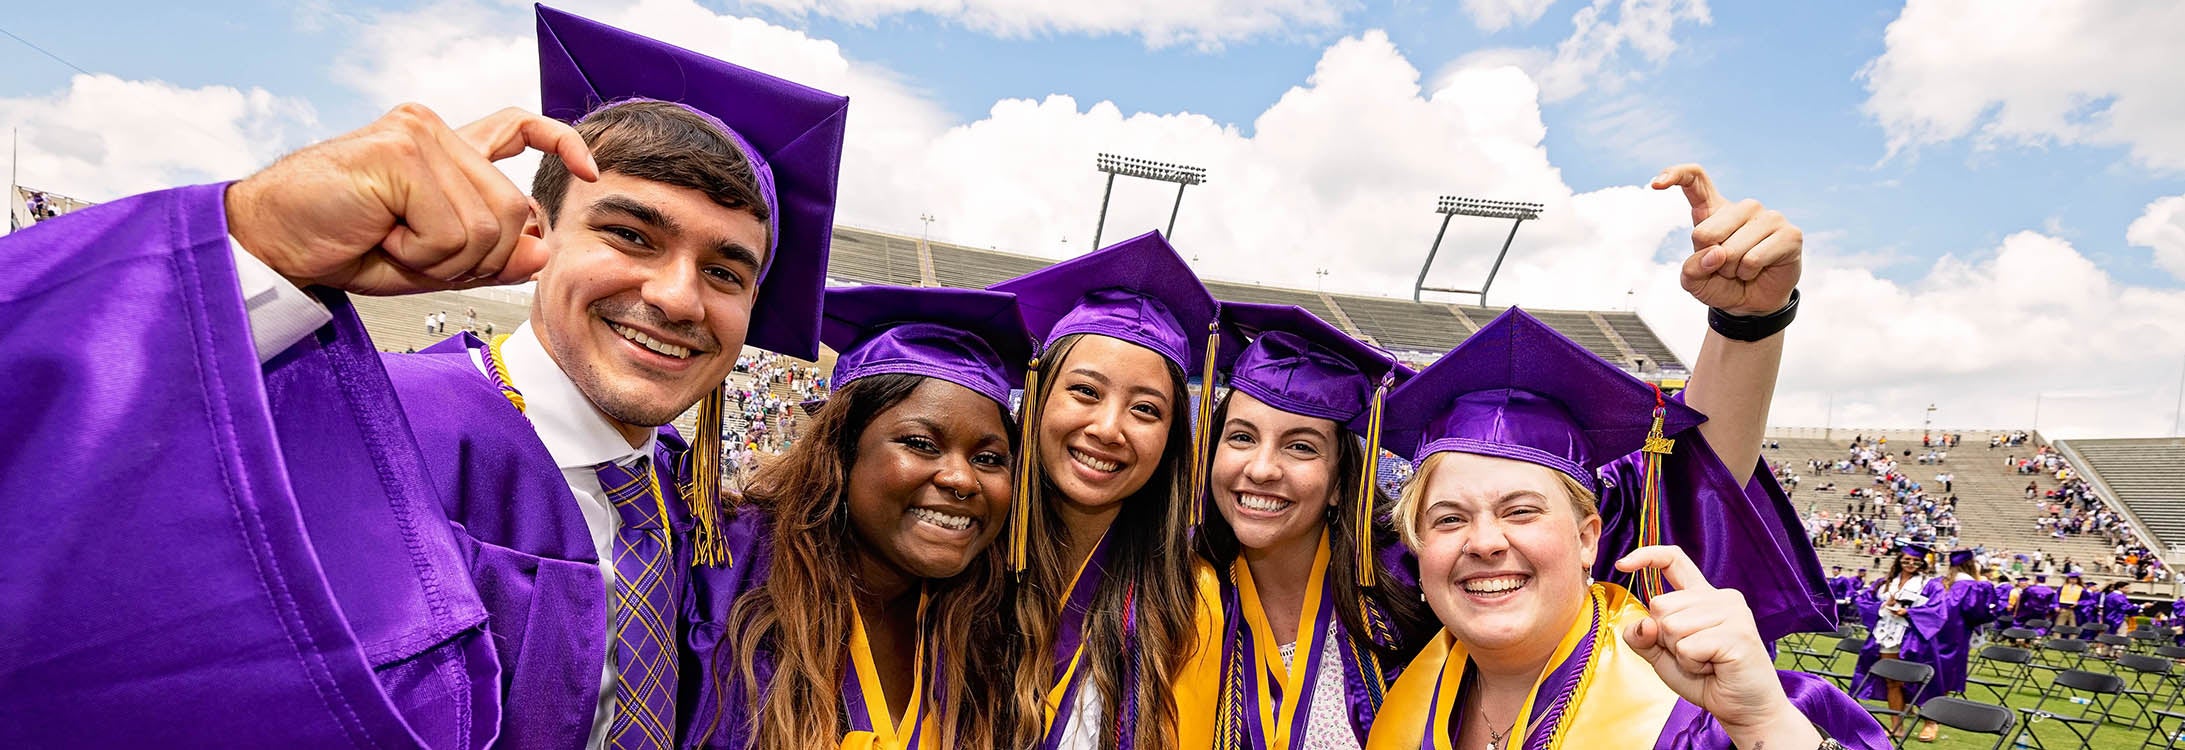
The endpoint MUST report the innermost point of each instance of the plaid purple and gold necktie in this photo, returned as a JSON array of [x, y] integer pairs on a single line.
[[644, 716]]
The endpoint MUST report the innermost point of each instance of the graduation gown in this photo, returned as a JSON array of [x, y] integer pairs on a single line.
[[532, 553], [1595, 693], [1193, 687], [2038, 602], [1265, 704], [205, 551], [1942, 632], [2115, 608]]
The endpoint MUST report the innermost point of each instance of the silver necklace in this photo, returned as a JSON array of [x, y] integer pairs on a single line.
[[1494, 738]]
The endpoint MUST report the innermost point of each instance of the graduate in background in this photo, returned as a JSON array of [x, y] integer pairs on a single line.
[[1115, 626], [1530, 451], [2039, 602], [2067, 604], [1885, 606], [707, 230], [870, 601], [1941, 634], [1319, 622]]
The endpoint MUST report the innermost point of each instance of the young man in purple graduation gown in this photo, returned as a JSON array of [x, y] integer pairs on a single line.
[[710, 219], [301, 547]]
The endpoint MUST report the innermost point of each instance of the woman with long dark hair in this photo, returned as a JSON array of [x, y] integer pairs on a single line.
[[1111, 649], [1885, 608], [1941, 633], [859, 607], [1316, 627]]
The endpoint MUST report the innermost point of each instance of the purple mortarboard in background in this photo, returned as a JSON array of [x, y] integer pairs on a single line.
[[1517, 389], [792, 135], [1914, 549], [970, 337], [1960, 557], [1138, 290], [1300, 364]]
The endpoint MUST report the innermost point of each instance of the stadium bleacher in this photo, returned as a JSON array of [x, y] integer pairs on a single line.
[[2144, 477], [873, 258]]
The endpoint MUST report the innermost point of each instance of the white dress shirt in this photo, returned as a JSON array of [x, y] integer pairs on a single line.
[[579, 438]]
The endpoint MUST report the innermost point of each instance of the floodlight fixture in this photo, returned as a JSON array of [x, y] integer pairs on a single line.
[[1184, 175], [1452, 206]]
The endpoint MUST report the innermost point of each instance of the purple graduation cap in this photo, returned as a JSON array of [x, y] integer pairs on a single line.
[[1517, 389], [1140, 291], [1300, 364], [1915, 549], [792, 136], [1962, 556], [973, 338]]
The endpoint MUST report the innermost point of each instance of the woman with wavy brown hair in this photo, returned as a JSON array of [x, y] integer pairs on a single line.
[[1111, 650], [860, 609]]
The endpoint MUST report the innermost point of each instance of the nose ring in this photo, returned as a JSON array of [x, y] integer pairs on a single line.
[[961, 495]]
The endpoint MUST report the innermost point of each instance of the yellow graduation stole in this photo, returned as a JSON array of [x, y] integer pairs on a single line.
[[1617, 701], [883, 730], [1295, 680]]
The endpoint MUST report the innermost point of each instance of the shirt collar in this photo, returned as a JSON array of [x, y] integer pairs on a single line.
[[576, 434]]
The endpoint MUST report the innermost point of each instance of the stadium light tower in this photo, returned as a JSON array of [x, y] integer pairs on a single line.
[[1450, 207], [1183, 175]]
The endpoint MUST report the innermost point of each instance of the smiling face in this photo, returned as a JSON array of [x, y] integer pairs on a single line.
[[1104, 423], [1503, 551], [1273, 473], [930, 488], [647, 295]]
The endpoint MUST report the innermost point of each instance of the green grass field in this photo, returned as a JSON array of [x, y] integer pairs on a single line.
[[2117, 734]]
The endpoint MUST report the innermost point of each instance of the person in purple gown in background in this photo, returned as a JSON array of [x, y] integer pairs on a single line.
[[1885, 606], [1941, 633]]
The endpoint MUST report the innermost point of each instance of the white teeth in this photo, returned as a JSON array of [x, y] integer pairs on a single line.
[[1262, 503], [948, 521], [1096, 464], [678, 352], [1494, 585]]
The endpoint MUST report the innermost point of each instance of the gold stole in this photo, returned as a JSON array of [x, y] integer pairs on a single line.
[[1196, 688], [1276, 719], [889, 732], [1619, 700]]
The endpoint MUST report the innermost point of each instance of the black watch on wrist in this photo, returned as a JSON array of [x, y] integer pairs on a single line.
[[1753, 327]]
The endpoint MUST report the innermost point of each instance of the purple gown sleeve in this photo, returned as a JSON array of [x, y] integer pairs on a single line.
[[1830, 710], [204, 550], [1746, 538]]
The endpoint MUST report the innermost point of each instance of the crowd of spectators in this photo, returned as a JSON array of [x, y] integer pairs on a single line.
[[770, 409]]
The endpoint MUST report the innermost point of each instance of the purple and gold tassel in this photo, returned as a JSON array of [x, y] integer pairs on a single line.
[[1650, 504]]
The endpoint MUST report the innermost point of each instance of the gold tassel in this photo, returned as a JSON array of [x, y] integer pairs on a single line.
[[1020, 505], [1366, 574], [1650, 506], [1200, 430], [709, 545]]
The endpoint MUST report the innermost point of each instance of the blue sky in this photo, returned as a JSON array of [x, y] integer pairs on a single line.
[[1985, 260], [1767, 95]]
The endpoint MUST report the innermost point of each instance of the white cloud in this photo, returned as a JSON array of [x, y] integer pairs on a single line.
[[1594, 55], [105, 137], [2162, 229], [1496, 15], [1203, 23], [2033, 73], [1341, 172]]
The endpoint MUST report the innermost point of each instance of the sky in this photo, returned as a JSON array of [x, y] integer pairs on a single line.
[[1993, 193]]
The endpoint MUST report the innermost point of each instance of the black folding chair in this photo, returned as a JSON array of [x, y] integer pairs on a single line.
[[1850, 646], [2019, 634], [2149, 680], [1968, 716], [2144, 641], [1803, 650], [2010, 663], [2117, 644], [1913, 676], [2087, 632], [2173, 653], [2100, 693], [2038, 625], [2062, 653]]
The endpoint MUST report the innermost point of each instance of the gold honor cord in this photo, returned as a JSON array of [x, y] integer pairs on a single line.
[[1650, 504], [1201, 432], [1366, 494], [1020, 504], [709, 546]]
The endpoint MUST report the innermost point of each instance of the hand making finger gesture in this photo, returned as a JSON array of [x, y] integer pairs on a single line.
[[403, 205], [1703, 643], [1746, 258]]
